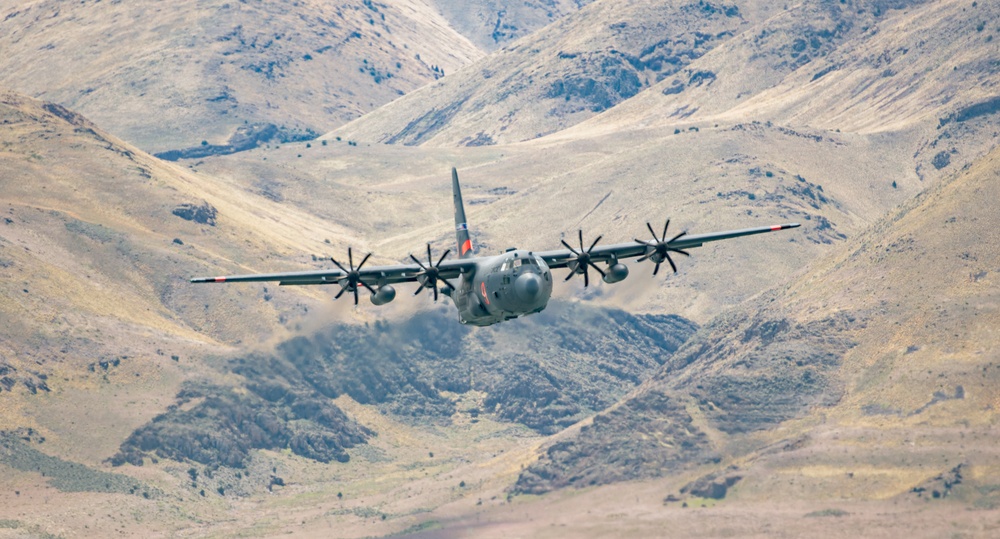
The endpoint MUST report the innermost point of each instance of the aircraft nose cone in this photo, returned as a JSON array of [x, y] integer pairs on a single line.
[[528, 286]]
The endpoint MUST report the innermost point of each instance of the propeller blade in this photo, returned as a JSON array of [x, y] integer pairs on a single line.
[[599, 270], [581, 238], [445, 281], [681, 251], [338, 265], [650, 227], [364, 284], [435, 292], [643, 259], [592, 245], [365, 259], [570, 276], [440, 260], [667, 224], [671, 260], [429, 259], [419, 290], [341, 293], [570, 248], [355, 296], [418, 262], [586, 277], [656, 269], [350, 258], [673, 239]]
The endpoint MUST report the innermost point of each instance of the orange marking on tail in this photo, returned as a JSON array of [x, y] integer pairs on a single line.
[[467, 246]]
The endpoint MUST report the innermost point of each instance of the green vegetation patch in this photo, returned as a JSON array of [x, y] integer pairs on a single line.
[[67, 476], [420, 527], [96, 232], [27, 531], [828, 513]]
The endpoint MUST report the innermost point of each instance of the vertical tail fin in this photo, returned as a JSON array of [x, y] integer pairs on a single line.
[[461, 226]]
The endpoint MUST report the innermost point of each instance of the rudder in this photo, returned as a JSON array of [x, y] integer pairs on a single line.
[[461, 225]]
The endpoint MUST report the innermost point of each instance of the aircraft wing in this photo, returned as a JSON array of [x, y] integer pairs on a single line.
[[641, 248], [372, 276]]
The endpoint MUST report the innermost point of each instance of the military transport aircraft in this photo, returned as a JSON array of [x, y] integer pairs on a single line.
[[488, 290]]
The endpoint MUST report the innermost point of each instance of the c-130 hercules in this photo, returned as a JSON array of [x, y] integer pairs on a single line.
[[492, 289]]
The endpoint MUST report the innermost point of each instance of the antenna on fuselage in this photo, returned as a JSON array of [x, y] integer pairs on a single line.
[[461, 225]]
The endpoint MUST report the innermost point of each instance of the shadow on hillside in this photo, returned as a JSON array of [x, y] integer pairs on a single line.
[[547, 372]]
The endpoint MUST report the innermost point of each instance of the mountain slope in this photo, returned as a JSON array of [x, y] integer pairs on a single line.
[[871, 67], [97, 241], [491, 24], [927, 66], [209, 395], [582, 64], [420, 368], [887, 342], [205, 68]]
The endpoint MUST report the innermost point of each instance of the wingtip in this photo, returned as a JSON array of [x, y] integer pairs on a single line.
[[793, 225], [208, 280]]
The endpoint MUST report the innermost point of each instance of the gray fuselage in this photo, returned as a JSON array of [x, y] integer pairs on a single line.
[[513, 284]]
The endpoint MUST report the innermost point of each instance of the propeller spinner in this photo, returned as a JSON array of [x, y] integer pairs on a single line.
[[350, 282], [659, 249], [431, 273], [583, 260]]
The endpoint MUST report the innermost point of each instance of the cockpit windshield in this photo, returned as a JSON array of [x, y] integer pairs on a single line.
[[518, 262]]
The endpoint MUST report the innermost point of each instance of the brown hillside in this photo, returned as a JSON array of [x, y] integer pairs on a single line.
[[581, 65], [491, 24], [866, 378], [96, 247], [712, 178], [861, 66], [843, 381], [128, 394], [926, 66], [202, 69]]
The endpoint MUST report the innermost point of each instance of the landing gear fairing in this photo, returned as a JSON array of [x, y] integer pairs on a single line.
[[490, 289]]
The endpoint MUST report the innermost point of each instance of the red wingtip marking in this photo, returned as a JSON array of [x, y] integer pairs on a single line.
[[220, 279], [776, 227], [467, 246]]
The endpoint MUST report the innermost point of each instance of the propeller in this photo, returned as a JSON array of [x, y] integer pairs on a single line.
[[583, 260], [659, 249], [431, 273], [350, 282]]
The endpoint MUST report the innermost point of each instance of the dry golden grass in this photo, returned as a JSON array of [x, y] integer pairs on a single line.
[[91, 240], [202, 69]]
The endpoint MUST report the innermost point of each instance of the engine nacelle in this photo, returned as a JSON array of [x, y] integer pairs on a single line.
[[615, 273], [385, 294]]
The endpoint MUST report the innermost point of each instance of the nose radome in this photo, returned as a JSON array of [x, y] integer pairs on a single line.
[[527, 287]]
